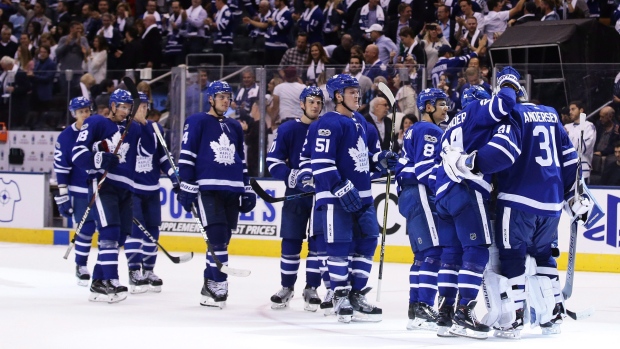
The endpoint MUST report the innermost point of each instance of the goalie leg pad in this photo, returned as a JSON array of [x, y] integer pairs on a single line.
[[540, 298]]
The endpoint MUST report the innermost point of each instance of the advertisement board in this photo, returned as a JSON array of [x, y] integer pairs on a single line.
[[23, 199]]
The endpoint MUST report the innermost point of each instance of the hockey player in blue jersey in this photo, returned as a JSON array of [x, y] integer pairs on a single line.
[[283, 161], [214, 178], [479, 141], [341, 164], [416, 202], [151, 160], [94, 152], [529, 204], [72, 198]]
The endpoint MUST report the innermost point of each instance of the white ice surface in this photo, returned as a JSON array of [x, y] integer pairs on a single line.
[[41, 306]]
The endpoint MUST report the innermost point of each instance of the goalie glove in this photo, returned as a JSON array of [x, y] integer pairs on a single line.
[[584, 210], [459, 165]]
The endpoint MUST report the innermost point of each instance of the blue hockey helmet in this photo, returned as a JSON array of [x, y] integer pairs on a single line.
[[79, 103], [339, 82], [512, 72], [120, 96], [473, 93], [218, 87], [311, 91], [430, 95]]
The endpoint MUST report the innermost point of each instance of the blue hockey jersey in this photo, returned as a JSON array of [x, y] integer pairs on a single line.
[[212, 153], [286, 147], [277, 35], [75, 178], [421, 147], [151, 160], [98, 128], [223, 20], [487, 127], [339, 151], [538, 180], [311, 22]]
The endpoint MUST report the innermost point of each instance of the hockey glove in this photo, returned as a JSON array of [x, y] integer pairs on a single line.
[[386, 160], [174, 178], [458, 165], [348, 195], [188, 195], [105, 161], [292, 178], [63, 202], [509, 77], [248, 200], [305, 181]]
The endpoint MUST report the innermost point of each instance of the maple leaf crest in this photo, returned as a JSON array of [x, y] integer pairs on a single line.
[[224, 151], [144, 160], [122, 152], [360, 156]]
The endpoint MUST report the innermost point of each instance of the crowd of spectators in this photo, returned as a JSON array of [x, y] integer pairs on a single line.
[[54, 50]]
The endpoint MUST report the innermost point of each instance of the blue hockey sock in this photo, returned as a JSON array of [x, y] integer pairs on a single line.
[[313, 263], [83, 242], [289, 261], [475, 258], [322, 254], [414, 281], [133, 248], [447, 282], [338, 263], [218, 235], [149, 249], [428, 275]]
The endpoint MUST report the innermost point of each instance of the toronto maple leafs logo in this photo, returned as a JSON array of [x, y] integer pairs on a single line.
[[144, 159], [224, 152], [122, 152], [360, 156]]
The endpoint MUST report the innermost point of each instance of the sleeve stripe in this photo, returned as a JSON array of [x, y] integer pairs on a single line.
[[425, 173], [188, 153], [63, 167], [274, 165], [61, 171], [323, 170], [495, 145], [191, 163], [83, 150], [323, 161], [499, 105], [424, 163], [568, 151], [276, 160], [491, 110], [303, 163], [514, 146], [570, 162]]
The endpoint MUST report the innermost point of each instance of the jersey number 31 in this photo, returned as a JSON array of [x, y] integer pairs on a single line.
[[547, 156]]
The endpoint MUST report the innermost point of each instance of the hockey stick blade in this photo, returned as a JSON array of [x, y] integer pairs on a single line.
[[270, 199], [235, 272], [176, 260], [388, 93], [580, 315]]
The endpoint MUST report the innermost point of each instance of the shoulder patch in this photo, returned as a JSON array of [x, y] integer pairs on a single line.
[[186, 127], [57, 145], [325, 132], [84, 126], [430, 139]]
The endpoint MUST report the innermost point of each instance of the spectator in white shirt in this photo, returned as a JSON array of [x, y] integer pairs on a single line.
[[497, 20]]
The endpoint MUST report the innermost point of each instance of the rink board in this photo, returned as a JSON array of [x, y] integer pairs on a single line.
[[258, 231]]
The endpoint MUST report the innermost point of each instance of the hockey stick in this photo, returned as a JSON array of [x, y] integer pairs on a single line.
[[223, 268], [134, 109], [184, 258], [584, 314], [567, 291], [270, 199], [388, 94]]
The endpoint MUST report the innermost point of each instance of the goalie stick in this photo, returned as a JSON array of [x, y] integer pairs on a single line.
[[220, 266], [134, 109], [184, 258], [388, 94]]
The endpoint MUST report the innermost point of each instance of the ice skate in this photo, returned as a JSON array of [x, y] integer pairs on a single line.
[[99, 292], [214, 294], [327, 305], [342, 305], [514, 330], [421, 317], [364, 311], [466, 324], [281, 298], [154, 281], [444, 319], [83, 277], [137, 282], [553, 326], [116, 291], [311, 299]]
